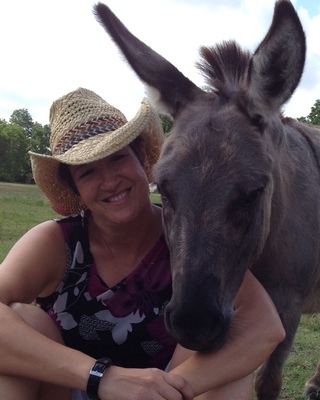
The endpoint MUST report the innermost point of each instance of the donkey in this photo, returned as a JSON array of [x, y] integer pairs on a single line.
[[240, 184]]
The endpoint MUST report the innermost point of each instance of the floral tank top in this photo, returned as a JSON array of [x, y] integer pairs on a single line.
[[125, 322]]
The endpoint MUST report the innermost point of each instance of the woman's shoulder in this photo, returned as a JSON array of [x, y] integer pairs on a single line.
[[46, 230], [35, 263]]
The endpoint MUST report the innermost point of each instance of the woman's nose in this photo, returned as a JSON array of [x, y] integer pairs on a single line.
[[108, 179]]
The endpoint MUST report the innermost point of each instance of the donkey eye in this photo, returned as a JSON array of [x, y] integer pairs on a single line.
[[258, 121], [164, 200], [164, 186], [160, 189], [251, 199]]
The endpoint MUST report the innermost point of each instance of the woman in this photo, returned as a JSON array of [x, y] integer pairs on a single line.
[[102, 276]]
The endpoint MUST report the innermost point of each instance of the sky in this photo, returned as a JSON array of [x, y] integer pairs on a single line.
[[51, 47]]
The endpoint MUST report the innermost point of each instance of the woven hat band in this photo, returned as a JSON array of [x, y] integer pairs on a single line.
[[86, 130]]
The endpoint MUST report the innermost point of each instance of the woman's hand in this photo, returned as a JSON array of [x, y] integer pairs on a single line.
[[147, 384]]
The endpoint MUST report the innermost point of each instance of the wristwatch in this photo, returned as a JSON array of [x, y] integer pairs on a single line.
[[96, 373]]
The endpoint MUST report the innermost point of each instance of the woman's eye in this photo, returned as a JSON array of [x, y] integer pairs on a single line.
[[117, 157], [86, 173]]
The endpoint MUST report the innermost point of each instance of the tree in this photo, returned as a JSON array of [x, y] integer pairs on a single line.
[[4, 145], [39, 139], [13, 161], [36, 138], [166, 123], [22, 118], [314, 116]]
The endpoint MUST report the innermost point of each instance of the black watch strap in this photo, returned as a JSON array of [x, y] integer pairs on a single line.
[[96, 373]]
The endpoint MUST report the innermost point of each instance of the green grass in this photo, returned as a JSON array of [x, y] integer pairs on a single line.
[[21, 208], [24, 206], [303, 359]]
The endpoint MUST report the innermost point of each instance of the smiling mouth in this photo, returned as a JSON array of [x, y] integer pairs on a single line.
[[120, 196]]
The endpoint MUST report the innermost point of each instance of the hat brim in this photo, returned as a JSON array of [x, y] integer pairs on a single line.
[[45, 168]]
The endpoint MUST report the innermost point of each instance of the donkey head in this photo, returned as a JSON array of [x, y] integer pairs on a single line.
[[216, 169]]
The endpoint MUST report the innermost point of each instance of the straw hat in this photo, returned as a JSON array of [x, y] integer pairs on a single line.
[[85, 128]]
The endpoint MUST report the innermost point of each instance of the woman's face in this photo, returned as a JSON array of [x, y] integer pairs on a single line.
[[115, 187]]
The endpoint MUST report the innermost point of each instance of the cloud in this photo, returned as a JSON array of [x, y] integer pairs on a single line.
[[50, 48]]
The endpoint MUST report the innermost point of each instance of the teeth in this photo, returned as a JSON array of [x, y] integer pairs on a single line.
[[116, 198]]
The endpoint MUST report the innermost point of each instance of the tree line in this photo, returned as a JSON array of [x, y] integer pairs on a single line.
[[17, 137], [21, 134]]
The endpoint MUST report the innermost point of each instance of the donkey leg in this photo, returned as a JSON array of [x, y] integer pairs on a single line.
[[268, 380], [313, 385]]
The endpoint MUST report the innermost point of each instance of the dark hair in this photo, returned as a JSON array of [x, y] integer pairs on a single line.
[[137, 147], [65, 174]]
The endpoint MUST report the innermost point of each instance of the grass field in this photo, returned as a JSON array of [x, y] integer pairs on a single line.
[[21, 208], [24, 206]]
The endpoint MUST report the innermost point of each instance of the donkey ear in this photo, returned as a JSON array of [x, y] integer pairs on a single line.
[[277, 64], [169, 88]]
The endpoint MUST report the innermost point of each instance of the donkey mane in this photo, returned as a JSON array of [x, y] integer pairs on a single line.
[[224, 67]]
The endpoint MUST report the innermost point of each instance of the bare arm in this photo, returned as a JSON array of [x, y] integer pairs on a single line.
[[35, 266], [255, 332]]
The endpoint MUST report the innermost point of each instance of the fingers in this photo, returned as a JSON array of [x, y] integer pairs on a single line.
[[148, 384], [180, 384]]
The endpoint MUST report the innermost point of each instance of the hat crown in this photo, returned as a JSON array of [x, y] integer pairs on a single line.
[[78, 115]]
